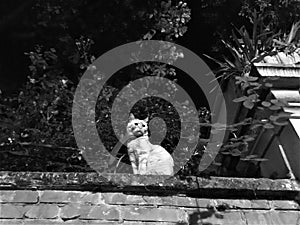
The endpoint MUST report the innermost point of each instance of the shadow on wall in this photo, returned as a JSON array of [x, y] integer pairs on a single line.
[[210, 216]]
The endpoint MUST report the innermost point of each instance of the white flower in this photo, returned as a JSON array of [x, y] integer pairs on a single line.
[[64, 81]]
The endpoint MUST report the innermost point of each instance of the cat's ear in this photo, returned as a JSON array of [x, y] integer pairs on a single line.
[[131, 117], [146, 120]]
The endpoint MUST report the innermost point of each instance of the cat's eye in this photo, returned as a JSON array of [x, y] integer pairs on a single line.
[[143, 125]]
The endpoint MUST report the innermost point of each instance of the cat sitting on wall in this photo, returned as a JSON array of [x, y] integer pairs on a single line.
[[145, 157]]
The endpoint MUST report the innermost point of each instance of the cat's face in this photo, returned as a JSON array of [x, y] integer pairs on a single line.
[[137, 127]]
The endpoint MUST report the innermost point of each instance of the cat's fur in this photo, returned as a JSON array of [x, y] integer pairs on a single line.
[[145, 157]]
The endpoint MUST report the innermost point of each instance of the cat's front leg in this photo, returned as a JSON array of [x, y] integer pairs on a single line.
[[133, 161], [143, 160]]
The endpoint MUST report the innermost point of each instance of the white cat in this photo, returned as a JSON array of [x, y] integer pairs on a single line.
[[145, 157]]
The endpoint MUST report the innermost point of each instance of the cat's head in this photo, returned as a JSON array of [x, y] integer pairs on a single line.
[[137, 127]]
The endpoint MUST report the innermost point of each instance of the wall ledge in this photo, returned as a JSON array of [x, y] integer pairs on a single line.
[[213, 187]]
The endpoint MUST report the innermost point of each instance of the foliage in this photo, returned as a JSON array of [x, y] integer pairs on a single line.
[[246, 48], [289, 42], [40, 111], [36, 130], [275, 14], [39, 116]]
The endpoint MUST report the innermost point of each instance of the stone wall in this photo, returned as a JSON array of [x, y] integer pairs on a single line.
[[74, 198]]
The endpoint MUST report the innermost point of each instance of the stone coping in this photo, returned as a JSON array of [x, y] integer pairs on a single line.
[[213, 187]]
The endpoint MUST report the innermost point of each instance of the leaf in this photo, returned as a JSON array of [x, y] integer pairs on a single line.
[[221, 64], [217, 164], [248, 104], [250, 91], [248, 139], [268, 126], [240, 99], [284, 123], [245, 159], [279, 42], [255, 126], [256, 84], [250, 78], [225, 153], [236, 152], [253, 97], [274, 107], [293, 32], [274, 101], [263, 55], [273, 118], [259, 159], [272, 78], [266, 104], [284, 114], [280, 104], [251, 156], [231, 64], [269, 85]]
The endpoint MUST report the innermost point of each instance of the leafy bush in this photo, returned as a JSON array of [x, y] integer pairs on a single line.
[[36, 126]]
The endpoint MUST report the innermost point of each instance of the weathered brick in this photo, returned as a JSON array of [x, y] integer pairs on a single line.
[[92, 198], [118, 198], [42, 222], [283, 204], [272, 217], [288, 217], [7, 196], [70, 222], [257, 218], [151, 223], [11, 211], [123, 199], [70, 211], [70, 196], [54, 196], [233, 217], [100, 212], [90, 222], [235, 203], [60, 196], [204, 216], [11, 222], [209, 216], [19, 196], [153, 214], [42, 211], [186, 202], [260, 204]]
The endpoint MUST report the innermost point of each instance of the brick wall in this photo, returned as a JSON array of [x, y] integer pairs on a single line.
[[49, 198]]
